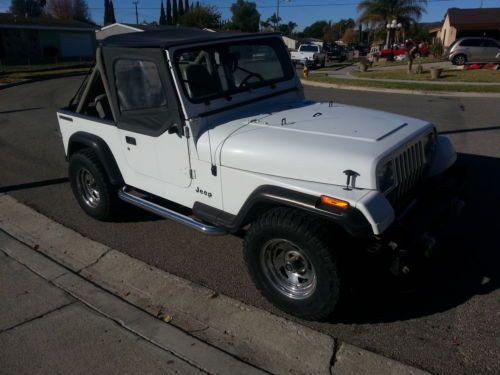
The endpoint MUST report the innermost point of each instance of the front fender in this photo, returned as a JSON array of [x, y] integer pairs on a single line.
[[444, 157]]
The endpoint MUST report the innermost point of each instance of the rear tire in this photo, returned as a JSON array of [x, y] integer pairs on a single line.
[[459, 60], [91, 186], [288, 256]]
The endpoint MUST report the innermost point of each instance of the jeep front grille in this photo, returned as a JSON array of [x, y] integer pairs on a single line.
[[409, 166]]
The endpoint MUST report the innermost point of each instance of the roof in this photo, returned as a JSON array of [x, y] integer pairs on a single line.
[[9, 20], [168, 36], [485, 17]]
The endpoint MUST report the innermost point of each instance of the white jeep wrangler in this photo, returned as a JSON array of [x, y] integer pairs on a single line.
[[218, 123]]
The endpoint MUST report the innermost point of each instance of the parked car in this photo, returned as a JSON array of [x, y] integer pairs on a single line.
[[218, 124], [310, 55], [423, 50], [473, 50], [335, 52]]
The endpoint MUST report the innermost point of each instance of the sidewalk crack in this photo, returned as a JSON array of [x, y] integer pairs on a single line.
[[95, 261], [41, 316]]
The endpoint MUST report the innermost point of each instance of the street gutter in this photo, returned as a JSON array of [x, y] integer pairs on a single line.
[[255, 336]]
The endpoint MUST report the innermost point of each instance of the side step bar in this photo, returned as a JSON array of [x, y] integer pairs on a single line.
[[154, 208]]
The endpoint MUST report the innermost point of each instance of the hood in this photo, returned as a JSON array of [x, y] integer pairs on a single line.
[[318, 141]]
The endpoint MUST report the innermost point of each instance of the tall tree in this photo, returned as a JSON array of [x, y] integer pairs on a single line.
[[381, 12], [32, 8], [316, 29], [163, 18], [112, 18], [106, 12], [186, 6], [204, 16], [175, 18], [245, 16], [180, 9], [69, 10], [169, 13]]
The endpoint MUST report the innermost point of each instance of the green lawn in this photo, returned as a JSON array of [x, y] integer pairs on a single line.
[[26, 75], [405, 86], [7, 69], [482, 75]]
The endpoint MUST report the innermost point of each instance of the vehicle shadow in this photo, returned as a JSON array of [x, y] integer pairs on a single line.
[[466, 264]]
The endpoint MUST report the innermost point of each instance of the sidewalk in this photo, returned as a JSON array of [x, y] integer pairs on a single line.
[[47, 328]]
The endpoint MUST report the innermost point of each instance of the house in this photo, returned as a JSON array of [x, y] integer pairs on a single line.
[[291, 44], [459, 23], [44, 39]]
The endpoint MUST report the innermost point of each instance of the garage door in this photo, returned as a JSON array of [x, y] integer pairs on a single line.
[[76, 45]]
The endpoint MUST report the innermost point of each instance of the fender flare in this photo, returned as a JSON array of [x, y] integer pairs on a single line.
[[80, 140], [268, 196]]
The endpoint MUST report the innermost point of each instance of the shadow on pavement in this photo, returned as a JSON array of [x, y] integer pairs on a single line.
[[20, 110], [30, 185], [467, 262], [471, 130]]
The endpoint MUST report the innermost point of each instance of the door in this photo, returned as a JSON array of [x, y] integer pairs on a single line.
[[149, 119]]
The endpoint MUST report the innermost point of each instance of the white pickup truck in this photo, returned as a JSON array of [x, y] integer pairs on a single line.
[[218, 124], [310, 55]]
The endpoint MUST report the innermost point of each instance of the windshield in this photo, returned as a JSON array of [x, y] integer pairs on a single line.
[[308, 48], [215, 71]]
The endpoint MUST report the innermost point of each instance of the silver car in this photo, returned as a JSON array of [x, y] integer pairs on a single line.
[[473, 50]]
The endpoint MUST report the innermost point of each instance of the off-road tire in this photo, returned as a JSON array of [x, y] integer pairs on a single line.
[[310, 235], [459, 59], [108, 205]]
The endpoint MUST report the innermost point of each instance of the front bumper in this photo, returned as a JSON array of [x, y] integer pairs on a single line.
[[417, 229]]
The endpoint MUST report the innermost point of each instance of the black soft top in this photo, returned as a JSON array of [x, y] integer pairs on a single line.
[[170, 36]]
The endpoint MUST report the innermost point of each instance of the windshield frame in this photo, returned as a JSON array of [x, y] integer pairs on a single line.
[[281, 51]]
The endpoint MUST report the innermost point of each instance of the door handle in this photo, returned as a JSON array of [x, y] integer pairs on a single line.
[[130, 140]]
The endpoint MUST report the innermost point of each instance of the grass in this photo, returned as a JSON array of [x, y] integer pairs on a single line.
[[420, 60], [19, 76], [478, 76], [6, 69], [405, 86]]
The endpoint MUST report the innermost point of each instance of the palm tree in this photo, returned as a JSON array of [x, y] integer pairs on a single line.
[[381, 12]]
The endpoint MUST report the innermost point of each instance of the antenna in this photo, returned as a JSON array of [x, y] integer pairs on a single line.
[[136, 14]]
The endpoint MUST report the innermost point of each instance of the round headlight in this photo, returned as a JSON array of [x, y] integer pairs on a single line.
[[385, 176]]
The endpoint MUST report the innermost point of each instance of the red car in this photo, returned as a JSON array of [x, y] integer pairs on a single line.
[[423, 50]]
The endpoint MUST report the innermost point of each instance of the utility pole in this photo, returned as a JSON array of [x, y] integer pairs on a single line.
[[136, 13], [277, 24]]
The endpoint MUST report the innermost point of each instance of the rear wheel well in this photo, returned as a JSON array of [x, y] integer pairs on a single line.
[[83, 140]]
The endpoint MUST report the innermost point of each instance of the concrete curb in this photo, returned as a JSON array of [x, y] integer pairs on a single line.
[[258, 337], [400, 91]]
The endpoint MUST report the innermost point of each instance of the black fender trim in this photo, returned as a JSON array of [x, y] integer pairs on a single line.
[[81, 140], [267, 196]]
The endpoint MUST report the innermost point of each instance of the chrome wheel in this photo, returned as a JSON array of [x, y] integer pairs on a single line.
[[288, 269], [460, 60], [87, 187]]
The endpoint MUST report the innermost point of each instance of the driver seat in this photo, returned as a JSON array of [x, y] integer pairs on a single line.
[[200, 82]]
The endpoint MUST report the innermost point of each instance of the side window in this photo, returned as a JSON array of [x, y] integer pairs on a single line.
[[138, 85], [471, 43], [489, 43]]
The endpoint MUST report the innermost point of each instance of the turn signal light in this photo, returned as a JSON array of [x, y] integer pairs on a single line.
[[334, 202]]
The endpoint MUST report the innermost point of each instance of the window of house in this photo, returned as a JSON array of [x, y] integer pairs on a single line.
[[138, 85]]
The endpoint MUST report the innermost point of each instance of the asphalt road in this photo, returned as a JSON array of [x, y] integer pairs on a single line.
[[447, 323]]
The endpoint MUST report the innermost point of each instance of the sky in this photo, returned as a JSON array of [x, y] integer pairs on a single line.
[[302, 12]]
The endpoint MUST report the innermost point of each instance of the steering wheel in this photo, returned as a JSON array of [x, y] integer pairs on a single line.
[[250, 75]]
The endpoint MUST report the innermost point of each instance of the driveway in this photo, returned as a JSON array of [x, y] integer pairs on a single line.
[[447, 323]]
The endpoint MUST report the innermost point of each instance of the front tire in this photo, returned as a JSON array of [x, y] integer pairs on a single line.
[[91, 186], [288, 256], [459, 60]]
